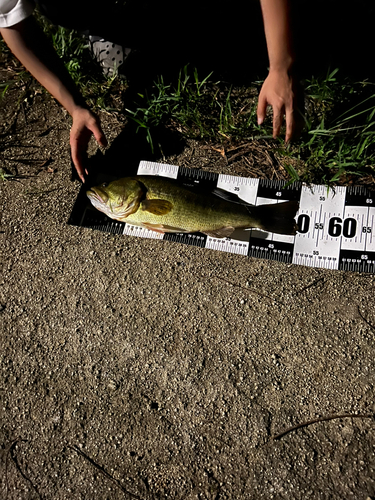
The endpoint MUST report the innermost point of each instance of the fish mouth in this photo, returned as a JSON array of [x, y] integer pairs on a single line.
[[96, 195], [101, 201], [118, 207]]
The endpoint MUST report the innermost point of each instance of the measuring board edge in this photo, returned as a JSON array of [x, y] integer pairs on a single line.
[[336, 225]]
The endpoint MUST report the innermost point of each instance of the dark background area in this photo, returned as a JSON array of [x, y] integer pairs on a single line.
[[225, 36]]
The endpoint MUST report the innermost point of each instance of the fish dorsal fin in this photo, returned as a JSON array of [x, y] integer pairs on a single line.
[[223, 232], [227, 196], [157, 207]]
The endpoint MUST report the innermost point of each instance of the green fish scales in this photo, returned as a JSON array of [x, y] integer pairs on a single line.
[[164, 205]]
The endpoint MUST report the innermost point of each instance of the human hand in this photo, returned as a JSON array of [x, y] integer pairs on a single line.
[[85, 124], [281, 91]]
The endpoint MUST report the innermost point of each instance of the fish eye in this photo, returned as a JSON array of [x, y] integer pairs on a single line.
[[105, 184]]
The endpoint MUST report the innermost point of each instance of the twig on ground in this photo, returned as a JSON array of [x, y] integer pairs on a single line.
[[39, 192], [315, 282], [365, 320], [249, 290], [7, 453], [103, 471], [11, 452], [316, 420]]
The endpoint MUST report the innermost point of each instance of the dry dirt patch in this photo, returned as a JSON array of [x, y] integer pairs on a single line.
[[135, 369]]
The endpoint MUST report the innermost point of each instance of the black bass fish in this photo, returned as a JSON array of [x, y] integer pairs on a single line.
[[163, 205]]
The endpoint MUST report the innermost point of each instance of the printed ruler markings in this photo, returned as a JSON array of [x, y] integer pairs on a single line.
[[336, 227], [274, 246], [357, 252], [269, 245], [277, 190], [195, 239], [253, 248], [162, 169], [246, 189], [276, 251], [227, 245], [369, 229], [351, 260], [100, 222], [354, 229], [141, 232], [319, 245], [318, 224], [197, 174]]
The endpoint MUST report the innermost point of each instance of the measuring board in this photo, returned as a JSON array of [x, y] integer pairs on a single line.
[[336, 226]]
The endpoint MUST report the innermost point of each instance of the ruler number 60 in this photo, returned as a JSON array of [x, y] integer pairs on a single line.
[[336, 227]]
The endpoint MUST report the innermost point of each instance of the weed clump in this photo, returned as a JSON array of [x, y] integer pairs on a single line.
[[338, 139], [337, 143], [199, 109], [339, 136]]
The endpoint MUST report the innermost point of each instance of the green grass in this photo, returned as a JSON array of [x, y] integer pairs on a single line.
[[197, 108], [339, 136], [16, 75], [4, 175], [99, 91], [338, 141]]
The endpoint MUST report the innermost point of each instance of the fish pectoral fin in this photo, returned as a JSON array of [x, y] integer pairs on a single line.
[[162, 228], [223, 232], [157, 207]]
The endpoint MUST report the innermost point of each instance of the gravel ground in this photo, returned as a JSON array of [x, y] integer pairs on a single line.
[[143, 369]]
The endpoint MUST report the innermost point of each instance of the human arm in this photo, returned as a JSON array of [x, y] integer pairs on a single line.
[[28, 43], [280, 89]]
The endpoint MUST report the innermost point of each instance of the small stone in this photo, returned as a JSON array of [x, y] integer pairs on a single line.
[[112, 385]]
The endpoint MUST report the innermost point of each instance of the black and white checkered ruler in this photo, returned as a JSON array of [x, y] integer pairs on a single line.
[[336, 226]]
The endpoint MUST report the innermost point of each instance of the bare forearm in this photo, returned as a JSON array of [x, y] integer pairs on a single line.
[[276, 17], [280, 89], [28, 44]]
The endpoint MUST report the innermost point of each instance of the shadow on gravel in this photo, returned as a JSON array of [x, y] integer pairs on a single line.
[[125, 152]]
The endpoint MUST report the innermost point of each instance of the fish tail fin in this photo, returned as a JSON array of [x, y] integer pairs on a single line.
[[278, 217]]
